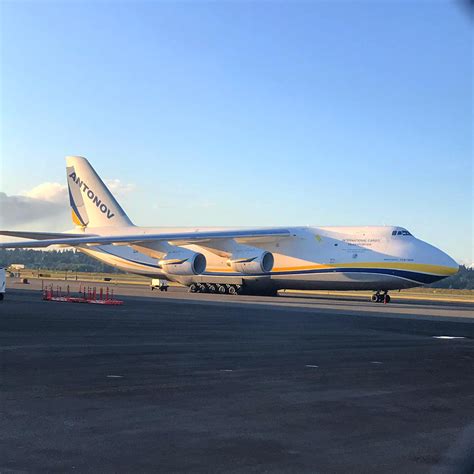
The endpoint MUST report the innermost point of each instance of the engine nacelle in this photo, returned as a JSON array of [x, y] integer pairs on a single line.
[[183, 262], [251, 261]]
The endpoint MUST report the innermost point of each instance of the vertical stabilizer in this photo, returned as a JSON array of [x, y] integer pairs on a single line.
[[92, 203]]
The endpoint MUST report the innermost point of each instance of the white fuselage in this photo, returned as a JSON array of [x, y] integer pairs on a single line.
[[338, 258]]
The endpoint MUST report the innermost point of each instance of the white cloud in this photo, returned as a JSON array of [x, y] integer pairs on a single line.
[[51, 192], [45, 207], [468, 263], [22, 210]]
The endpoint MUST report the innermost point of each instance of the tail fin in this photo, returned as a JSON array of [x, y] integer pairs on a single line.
[[92, 203]]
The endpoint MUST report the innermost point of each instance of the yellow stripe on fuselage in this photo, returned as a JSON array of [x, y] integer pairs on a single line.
[[414, 267]]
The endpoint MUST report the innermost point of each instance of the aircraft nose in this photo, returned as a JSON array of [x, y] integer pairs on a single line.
[[450, 265], [439, 263], [448, 262]]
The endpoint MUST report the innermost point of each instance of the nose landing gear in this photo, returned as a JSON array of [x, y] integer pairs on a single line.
[[380, 297]]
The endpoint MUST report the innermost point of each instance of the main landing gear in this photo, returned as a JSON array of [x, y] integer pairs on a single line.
[[215, 288], [380, 297]]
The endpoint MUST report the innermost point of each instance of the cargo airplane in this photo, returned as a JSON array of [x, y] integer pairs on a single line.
[[241, 260]]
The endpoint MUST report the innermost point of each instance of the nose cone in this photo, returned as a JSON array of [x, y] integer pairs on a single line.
[[443, 264], [449, 265]]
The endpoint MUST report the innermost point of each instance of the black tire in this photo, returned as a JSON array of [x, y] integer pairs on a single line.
[[222, 289], [211, 288], [387, 299], [374, 298], [232, 290], [193, 288]]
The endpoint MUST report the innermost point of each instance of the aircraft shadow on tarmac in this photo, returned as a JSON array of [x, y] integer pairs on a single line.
[[401, 302]]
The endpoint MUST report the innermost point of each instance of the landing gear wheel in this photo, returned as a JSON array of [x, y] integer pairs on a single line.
[[380, 297], [221, 288]]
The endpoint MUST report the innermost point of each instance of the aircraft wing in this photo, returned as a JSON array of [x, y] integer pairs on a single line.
[[38, 235], [181, 238]]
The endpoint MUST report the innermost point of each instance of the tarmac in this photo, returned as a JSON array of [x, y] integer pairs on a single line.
[[179, 382]]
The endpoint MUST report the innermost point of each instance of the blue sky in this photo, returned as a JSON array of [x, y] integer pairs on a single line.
[[248, 113]]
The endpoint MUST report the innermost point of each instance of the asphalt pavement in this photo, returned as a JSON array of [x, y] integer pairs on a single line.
[[205, 383]]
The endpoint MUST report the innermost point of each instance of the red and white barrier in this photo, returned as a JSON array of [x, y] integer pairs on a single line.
[[86, 295]]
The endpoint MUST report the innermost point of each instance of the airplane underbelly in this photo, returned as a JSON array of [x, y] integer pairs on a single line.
[[342, 281]]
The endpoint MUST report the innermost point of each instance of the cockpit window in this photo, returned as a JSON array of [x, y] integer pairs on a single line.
[[400, 232]]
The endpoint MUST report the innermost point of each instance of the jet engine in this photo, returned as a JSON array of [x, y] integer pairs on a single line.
[[183, 262], [251, 261]]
